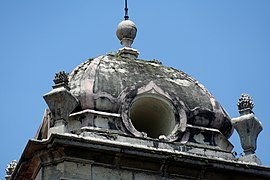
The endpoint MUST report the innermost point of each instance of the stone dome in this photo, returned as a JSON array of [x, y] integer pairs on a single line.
[[147, 95]]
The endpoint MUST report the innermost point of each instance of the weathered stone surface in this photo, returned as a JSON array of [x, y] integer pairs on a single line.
[[98, 156], [104, 83], [61, 103], [248, 127], [65, 170], [251, 158], [118, 117], [102, 173]]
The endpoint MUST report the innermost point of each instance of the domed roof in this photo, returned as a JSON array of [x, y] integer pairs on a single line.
[[111, 83]]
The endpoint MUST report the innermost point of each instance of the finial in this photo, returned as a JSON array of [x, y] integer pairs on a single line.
[[245, 104], [60, 80], [126, 30], [248, 127], [10, 168], [126, 11], [126, 33]]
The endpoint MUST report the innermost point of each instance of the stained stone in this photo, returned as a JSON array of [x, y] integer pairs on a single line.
[[119, 117]]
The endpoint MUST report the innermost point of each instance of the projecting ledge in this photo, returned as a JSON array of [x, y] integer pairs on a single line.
[[207, 137], [85, 149]]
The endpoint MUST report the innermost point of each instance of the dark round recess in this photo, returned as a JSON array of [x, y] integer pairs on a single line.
[[152, 115]]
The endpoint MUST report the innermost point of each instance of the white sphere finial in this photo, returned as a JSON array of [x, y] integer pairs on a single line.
[[126, 32]]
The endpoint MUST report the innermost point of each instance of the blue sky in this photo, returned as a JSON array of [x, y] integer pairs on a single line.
[[223, 44]]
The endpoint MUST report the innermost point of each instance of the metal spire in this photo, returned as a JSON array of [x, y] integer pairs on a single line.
[[126, 10]]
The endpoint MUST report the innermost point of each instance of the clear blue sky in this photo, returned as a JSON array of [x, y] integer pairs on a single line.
[[223, 44]]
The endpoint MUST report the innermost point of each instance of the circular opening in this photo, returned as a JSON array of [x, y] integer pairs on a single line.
[[152, 115]]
